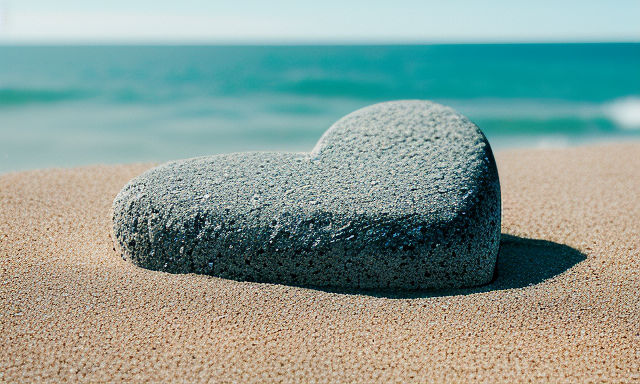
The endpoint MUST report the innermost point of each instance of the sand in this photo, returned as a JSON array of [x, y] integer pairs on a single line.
[[565, 306]]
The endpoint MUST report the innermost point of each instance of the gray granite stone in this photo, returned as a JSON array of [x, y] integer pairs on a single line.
[[401, 194]]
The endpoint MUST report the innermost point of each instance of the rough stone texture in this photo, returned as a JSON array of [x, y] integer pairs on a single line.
[[396, 195]]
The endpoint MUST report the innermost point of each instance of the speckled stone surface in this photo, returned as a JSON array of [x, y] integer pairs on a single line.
[[401, 194]]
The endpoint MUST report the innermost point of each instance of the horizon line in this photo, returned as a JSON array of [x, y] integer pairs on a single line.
[[318, 42]]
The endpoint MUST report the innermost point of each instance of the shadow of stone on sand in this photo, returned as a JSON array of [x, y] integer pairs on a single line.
[[521, 262]]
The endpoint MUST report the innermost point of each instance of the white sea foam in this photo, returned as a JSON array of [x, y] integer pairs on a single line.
[[625, 112]]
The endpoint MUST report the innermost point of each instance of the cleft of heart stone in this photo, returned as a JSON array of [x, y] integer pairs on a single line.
[[402, 195]]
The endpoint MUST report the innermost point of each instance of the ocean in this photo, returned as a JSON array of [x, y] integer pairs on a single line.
[[77, 105]]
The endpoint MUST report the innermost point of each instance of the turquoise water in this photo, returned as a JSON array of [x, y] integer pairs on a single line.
[[67, 106]]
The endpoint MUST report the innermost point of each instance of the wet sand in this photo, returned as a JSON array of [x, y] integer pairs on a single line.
[[564, 307]]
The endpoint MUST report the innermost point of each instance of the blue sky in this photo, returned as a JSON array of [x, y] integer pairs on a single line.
[[200, 21]]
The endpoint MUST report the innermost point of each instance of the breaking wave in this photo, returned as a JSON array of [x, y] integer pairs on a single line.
[[625, 112]]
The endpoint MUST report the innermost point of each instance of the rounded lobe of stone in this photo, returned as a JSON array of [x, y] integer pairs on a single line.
[[400, 194]]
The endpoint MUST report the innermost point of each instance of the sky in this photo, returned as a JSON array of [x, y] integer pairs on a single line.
[[326, 21]]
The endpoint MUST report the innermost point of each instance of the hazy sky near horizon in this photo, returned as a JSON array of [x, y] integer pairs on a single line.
[[288, 21]]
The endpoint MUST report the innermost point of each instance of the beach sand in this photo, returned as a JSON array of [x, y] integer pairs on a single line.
[[565, 306]]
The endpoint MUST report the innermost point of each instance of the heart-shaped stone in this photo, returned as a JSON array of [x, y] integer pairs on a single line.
[[396, 195]]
